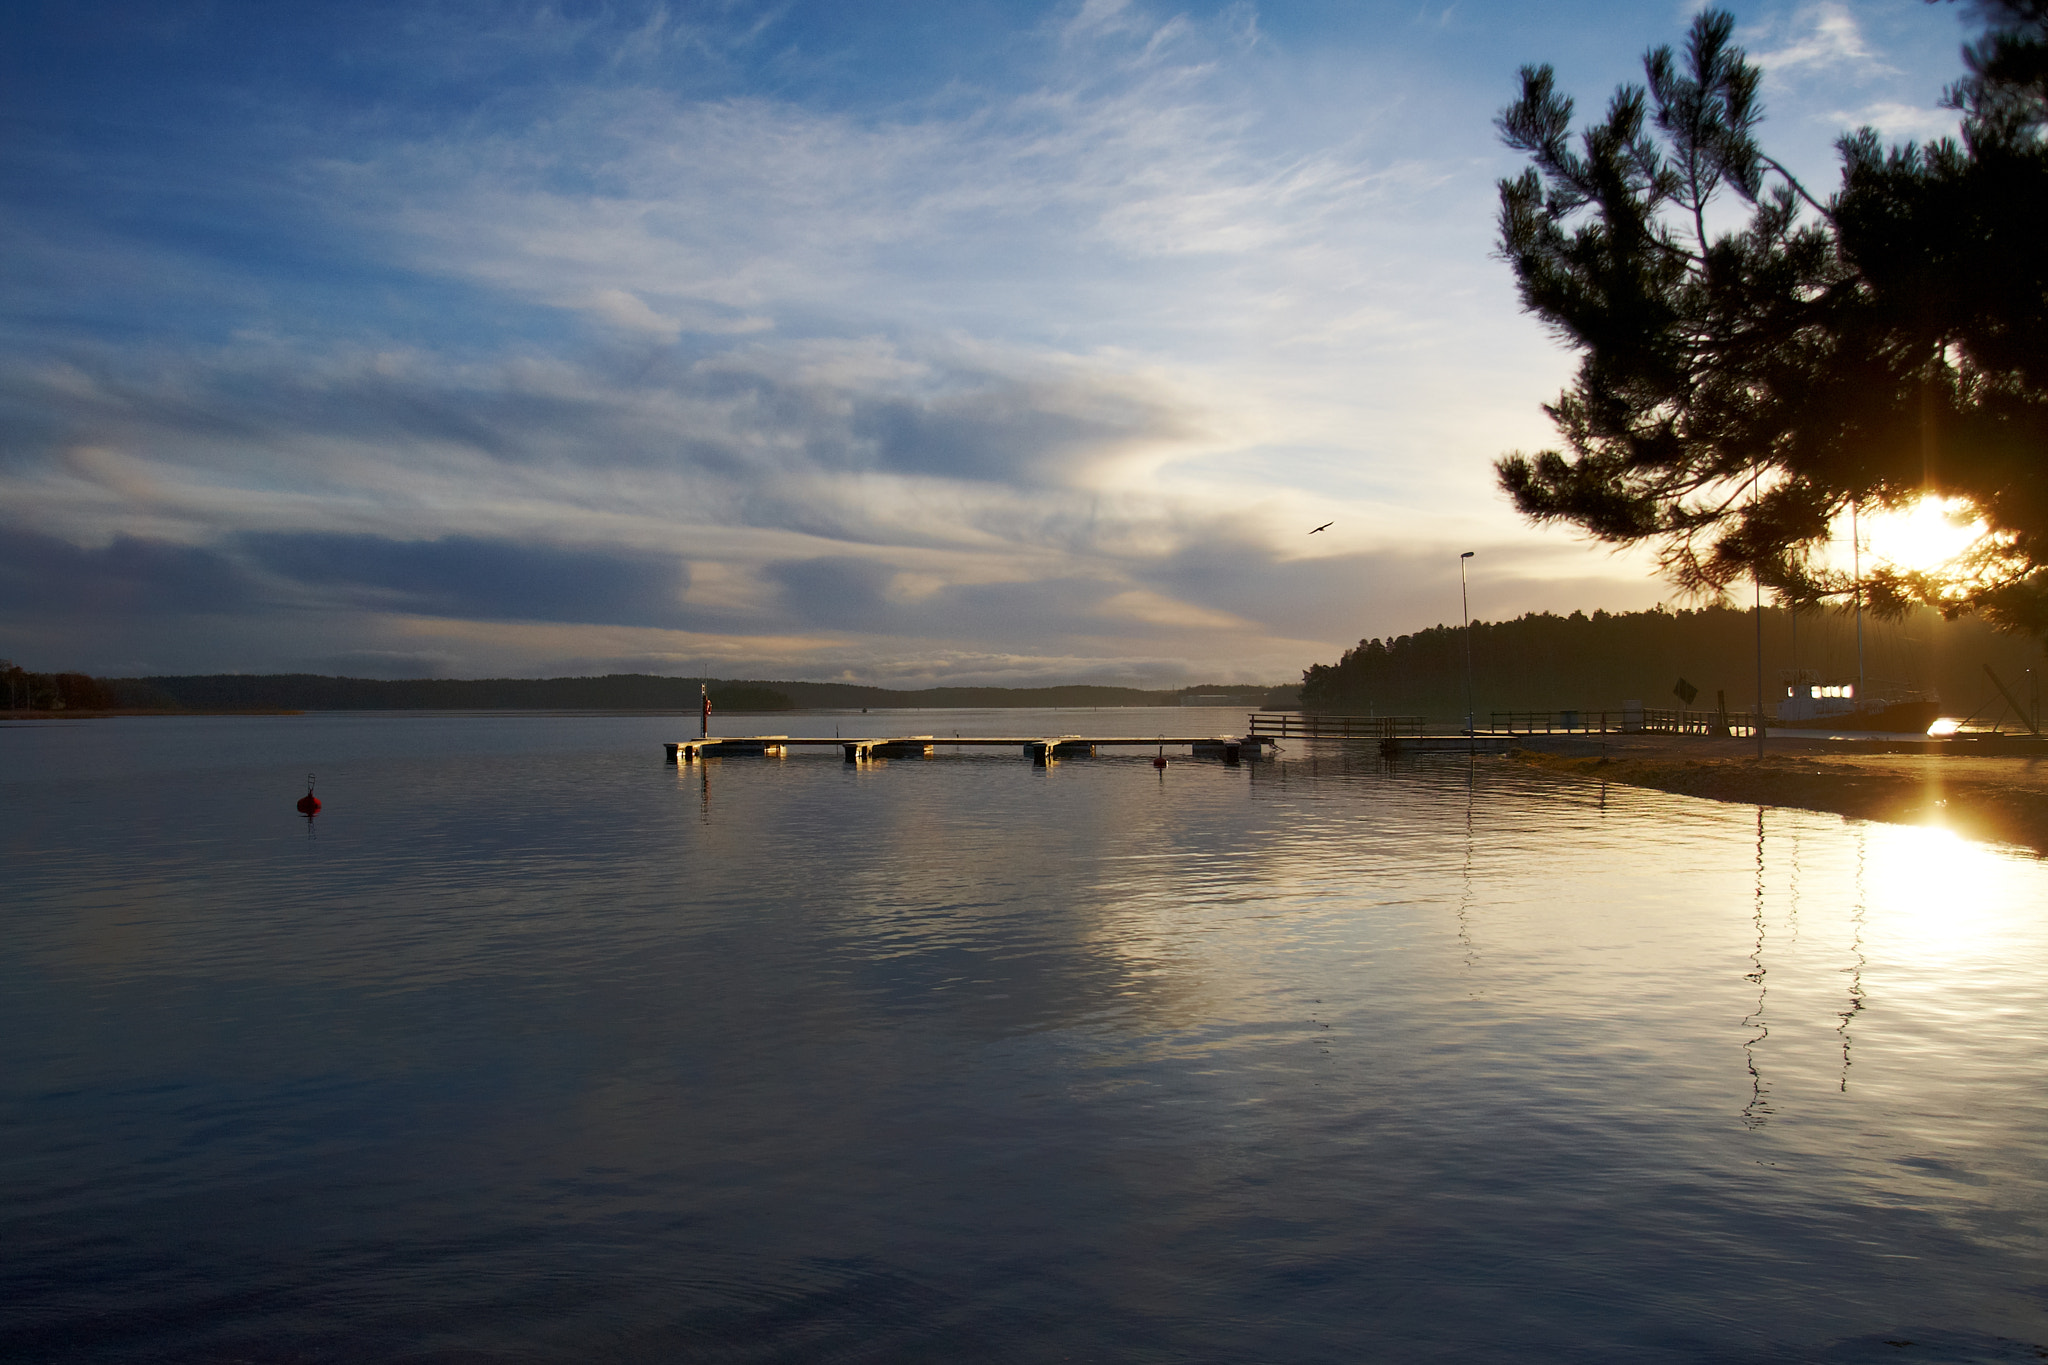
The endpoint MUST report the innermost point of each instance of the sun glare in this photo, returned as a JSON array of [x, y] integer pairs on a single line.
[[1924, 536]]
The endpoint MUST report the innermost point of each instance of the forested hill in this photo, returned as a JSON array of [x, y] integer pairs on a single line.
[[1543, 662], [315, 692], [617, 691]]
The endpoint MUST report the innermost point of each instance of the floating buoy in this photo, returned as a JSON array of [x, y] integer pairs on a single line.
[[309, 804]]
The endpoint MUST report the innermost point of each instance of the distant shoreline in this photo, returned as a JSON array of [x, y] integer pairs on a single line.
[[691, 711], [641, 692], [122, 712]]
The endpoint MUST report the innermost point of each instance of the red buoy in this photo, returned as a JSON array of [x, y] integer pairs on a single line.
[[309, 804]]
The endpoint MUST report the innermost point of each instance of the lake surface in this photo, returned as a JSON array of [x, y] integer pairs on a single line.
[[534, 1048]]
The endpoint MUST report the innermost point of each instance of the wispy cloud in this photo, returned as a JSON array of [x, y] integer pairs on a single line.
[[717, 216], [1824, 35], [610, 334], [1906, 122]]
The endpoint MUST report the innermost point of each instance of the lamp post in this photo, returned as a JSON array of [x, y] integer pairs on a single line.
[[1759, 663], [1465, 601]]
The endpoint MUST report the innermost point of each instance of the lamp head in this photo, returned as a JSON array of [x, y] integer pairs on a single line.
[[1468, 554]]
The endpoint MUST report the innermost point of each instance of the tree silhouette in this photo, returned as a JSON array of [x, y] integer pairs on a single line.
[[1738, 392]]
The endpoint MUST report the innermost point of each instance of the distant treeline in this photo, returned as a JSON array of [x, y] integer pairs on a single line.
[[316, 692], [612, 692], [21, 690], [1544, 662]]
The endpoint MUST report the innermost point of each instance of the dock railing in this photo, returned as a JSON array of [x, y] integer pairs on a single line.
[[1317, 725], [1566, 722], [1635, 720], [1632, 720], [1732, 724]]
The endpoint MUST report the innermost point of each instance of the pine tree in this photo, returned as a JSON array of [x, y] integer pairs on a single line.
[[1739, 392]]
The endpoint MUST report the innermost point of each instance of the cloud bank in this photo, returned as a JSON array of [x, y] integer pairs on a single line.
[[487, 338]]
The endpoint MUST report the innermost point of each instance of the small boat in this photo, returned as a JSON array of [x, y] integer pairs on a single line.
[[1812, 703]]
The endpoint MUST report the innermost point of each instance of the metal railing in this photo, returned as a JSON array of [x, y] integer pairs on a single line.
[[1316, 725], [1647, 720], [1565, 722], [1729, 724]]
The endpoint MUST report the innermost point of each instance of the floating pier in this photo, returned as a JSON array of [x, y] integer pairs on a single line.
[[1040, 749], [1396, 734], [1481, 743]]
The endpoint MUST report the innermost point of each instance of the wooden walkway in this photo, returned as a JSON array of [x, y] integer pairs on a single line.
[[1396, 734], [1040, 749], [1323, 725], [1453, 743]]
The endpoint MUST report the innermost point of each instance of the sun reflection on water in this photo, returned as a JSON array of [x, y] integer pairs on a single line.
[[1935, 895]]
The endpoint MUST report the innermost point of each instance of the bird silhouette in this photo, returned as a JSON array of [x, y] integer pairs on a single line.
[[1324, 527]]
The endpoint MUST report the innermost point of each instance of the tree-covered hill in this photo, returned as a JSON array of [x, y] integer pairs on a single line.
[[616, 692], [21, 690], [314, 692], [1544, 662]]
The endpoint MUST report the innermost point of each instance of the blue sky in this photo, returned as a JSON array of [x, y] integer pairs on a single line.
[[906, 343]]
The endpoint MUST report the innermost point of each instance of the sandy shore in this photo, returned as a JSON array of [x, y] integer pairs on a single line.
[[2003, 799]]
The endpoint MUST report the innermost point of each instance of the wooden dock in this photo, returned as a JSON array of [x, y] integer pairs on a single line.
[[1459, 743], [1395, 734], [1040, 749]]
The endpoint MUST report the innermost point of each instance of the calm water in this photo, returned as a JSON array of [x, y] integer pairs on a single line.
[[533, 1048]]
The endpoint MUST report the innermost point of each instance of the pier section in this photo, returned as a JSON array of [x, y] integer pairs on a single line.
[[1040, 749]]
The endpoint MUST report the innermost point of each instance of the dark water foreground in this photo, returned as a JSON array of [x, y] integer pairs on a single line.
[[532, 1048]]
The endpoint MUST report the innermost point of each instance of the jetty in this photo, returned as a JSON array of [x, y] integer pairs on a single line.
[[1395, 734], [1263, 732], [1040, 749]]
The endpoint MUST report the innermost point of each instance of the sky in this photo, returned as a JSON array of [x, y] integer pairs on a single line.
[[904, 343]]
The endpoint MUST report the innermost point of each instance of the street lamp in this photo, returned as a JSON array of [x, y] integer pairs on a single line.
[[1465, 601]]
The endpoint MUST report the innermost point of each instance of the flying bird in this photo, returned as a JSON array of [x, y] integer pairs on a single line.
[[1324, 527]]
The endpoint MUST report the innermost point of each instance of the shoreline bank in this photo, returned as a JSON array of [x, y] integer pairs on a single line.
[[1999, 799]]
